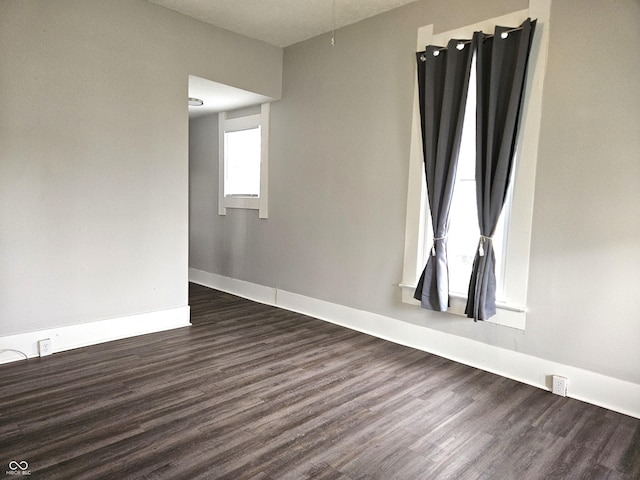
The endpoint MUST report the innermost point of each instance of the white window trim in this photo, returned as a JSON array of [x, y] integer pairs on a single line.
[[511, 312], [225, 124]]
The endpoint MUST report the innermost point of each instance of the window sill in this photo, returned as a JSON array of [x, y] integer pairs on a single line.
[[241, 202], [247, 203], [508, 314]]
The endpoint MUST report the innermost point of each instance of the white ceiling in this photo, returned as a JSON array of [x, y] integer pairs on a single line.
[[218, 97], [280, 22], [277, 22]]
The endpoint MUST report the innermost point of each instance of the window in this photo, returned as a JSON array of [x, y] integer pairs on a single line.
[[513, 269], [464, 233], [243, 161]]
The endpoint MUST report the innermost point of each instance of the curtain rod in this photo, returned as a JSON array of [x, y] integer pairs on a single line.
[[462, 43]]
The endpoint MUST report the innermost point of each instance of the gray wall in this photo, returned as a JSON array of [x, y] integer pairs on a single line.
[[338, 182], [94, 153], [203, 192], [585, 281]]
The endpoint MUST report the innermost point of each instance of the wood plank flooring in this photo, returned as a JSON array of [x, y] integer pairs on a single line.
[[254, 392]]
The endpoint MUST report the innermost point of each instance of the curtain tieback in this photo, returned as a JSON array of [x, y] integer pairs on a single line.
[[433, 247], [483, 239]]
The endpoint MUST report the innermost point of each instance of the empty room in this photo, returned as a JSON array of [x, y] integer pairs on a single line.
[[324, 239]]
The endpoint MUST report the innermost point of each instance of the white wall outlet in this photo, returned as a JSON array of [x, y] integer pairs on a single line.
[[559, 386], [45, 347]]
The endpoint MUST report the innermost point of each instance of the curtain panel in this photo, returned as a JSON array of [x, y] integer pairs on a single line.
[[443, 80], [501, 63]]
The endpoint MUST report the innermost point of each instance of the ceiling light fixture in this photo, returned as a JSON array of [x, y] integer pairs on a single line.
[[195, 102]]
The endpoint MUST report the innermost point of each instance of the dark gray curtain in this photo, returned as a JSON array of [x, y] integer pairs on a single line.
[[443, 80], [501, 62]]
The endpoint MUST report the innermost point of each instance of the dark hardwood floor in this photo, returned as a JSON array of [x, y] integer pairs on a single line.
[[251, 391]]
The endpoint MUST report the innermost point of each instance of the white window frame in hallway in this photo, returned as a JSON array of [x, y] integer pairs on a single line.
[[244, 200]]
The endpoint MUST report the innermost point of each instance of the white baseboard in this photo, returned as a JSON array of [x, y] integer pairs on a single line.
[[92, 333], [591, 387], [251, 291]]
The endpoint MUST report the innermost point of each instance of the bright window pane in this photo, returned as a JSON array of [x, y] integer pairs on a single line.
[[463, 236], [242, 162], [464, 233]]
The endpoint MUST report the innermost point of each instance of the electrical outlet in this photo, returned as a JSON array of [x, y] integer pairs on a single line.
[[45, 347], [559, 386]]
